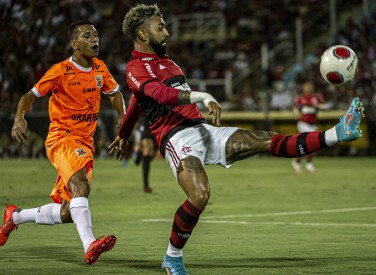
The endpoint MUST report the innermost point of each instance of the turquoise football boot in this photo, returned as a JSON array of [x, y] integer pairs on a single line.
[[348, 127], [174, 266]]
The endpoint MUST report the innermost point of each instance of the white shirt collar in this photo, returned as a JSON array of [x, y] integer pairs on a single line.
[[79, 66]]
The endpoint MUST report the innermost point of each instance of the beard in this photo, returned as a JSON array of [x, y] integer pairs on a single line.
[[158, 48]]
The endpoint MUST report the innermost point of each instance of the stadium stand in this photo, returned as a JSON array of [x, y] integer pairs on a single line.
[[224, 60]]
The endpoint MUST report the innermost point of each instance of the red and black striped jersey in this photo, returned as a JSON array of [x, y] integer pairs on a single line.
[[307, 106], [150, 79]]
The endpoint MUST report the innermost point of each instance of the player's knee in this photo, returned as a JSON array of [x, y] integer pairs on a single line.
[[261, 135], [194, 181], [79, 184], [200, 199]]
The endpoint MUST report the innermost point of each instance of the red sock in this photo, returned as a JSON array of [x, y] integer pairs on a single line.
[[297, 145], [185, 219]]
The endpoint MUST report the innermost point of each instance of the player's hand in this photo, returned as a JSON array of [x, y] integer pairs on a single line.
[[119, 146], [215, 112], [19, 130]]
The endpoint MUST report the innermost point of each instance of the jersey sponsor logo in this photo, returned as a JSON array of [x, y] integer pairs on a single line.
[[77, 83], [134, 80], [162, 67], [97, 66], [148, 68], [147, 58], [80, 152], [89, 90], [99, 80], [67, 70], [182, 87], [173, 85], [186, 149], [85, 117], [308, 110]]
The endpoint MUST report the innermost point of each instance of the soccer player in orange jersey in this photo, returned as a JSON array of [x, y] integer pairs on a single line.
[[75, 85]]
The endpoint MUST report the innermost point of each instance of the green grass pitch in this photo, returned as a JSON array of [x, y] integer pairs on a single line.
[[261, 219]]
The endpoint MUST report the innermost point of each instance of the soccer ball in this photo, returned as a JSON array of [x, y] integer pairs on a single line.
[[339, 65]]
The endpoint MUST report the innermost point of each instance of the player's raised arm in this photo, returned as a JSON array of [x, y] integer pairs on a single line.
[[19, 128], [171, 96]]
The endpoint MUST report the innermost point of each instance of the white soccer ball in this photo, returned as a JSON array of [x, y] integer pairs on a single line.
[[339, 65]]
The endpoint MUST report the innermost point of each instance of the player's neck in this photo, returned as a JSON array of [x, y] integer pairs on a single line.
[[143, 49], [83, 62]]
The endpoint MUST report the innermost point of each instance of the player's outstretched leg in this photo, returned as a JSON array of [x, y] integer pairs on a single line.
[[98, 247], [348, 127], [8, 224], [174, 265]]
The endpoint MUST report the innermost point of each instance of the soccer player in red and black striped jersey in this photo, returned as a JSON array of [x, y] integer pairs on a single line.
[[186, 141], [306, 106]]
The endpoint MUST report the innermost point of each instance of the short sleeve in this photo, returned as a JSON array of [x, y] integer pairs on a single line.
[[110, 86], [48, 82]]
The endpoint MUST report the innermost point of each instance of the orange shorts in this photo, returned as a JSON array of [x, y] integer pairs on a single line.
[[69, 155]]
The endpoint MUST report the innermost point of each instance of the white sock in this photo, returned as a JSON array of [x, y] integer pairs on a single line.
[[331, 136], [25, 215], [80, 213], [48, 214], [45, 214], [172, 251]]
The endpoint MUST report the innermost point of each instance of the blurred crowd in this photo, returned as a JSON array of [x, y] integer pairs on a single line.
[[34, 36]]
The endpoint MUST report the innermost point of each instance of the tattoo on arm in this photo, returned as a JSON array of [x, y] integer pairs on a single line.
[[184, 98]]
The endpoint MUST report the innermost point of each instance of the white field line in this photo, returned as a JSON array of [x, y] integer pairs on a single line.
[[271, 223], [307, 212], [208, 219]]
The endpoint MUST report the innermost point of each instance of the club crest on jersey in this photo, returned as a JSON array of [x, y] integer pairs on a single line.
[[99, 80], [80, 152], [186, 149]]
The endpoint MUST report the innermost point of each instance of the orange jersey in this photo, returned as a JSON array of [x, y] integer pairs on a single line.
[[75, 100]]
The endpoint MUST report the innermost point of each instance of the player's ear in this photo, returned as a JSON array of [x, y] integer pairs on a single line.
[[73, 44], [142, 35]]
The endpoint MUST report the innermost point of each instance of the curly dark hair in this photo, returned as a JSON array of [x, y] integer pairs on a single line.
[[136, 16]]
